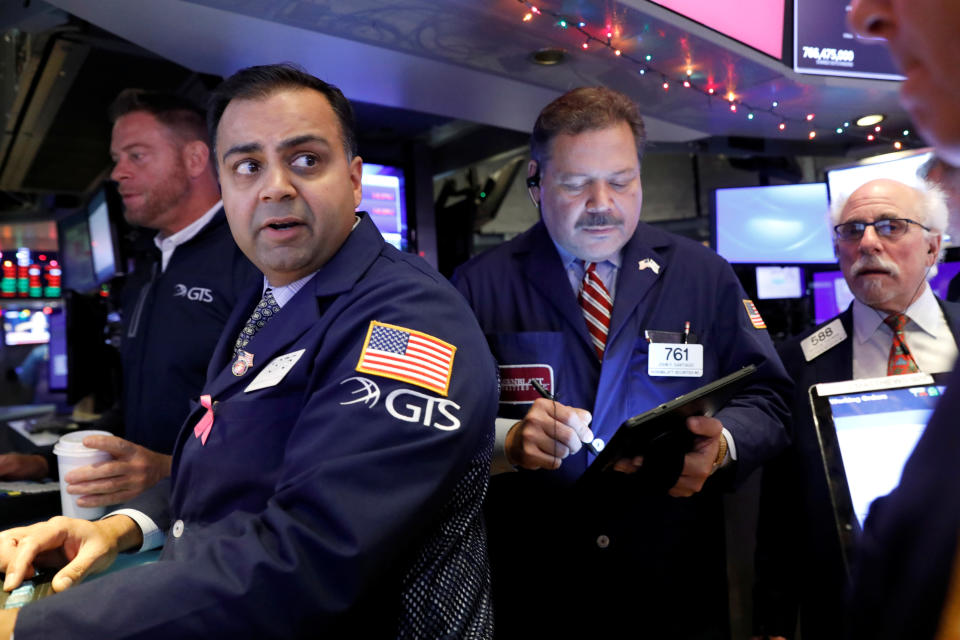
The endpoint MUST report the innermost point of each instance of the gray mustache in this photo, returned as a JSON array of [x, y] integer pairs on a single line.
[[866, 263]]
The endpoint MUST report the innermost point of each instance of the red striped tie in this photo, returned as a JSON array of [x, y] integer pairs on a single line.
[[597, 305]]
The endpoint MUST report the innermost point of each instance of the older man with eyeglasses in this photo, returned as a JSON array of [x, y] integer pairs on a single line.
[[887, 239]]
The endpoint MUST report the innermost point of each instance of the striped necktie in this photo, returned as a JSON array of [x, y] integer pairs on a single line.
[[900, 360], [596, 303], [265, 309]]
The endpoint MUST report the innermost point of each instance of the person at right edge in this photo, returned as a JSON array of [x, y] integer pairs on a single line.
[[585, 301], [887, 238], [906, 581]]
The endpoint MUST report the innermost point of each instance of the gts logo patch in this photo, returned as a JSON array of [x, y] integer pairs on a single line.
[[199, 294]]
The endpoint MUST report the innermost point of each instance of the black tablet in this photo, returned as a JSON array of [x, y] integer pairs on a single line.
[[660, 435], [866, 430]]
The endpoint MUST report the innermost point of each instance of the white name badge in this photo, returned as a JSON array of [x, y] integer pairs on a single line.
[[274, 371], [823, 339], [677, 360]]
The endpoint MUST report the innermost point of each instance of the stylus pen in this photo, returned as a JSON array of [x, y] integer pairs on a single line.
[[596, 445]]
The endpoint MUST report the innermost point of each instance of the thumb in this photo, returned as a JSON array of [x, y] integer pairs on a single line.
[[74, 571], [582, 429], [704, 426]]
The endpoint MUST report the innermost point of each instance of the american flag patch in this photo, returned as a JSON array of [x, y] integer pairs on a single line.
[[755, 318], [407, 355]]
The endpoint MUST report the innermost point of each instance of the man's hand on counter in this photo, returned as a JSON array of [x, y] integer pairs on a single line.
[[78, 546], [133, 470], [23, 466]]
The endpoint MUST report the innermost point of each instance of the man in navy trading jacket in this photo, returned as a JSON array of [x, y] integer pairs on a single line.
[[586, 302], [178, 299], [887, 238], [329, 481]]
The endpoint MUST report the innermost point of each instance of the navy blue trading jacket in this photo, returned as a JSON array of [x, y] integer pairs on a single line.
[[330, 502]]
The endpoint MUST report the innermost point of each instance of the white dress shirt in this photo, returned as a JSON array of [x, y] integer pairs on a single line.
[[167, 244], [927, 335]]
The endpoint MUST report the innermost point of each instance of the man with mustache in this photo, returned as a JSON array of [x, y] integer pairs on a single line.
[[585, 302], [329, 482], [887, 237]]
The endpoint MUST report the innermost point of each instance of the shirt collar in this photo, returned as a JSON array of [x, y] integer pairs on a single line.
[[569, 260], [188, 232], [924, 312]]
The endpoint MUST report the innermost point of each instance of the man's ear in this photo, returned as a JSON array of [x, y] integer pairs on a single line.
[[933, 250], [356, 178], [196, 157], [533, 182]]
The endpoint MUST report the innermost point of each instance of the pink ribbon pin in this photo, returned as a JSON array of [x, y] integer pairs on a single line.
[[202, 428]]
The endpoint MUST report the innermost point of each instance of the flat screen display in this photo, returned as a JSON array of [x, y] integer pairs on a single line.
[[25, 326], [26, 273], [76, 254], [842, 181], [876, 432], [102, 250], [779, 282], [831, 295], [777, 224], [756, 23], [384, 198], [88, 246], [824, 44], [57, 370]]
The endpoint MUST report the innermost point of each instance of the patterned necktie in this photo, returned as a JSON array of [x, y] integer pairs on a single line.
[[266, 309], [596, 303], [901, 360]]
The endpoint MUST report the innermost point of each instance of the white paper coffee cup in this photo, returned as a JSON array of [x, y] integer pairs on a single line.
[[71, 454]]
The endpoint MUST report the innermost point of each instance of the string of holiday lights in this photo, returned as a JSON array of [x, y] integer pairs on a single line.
[[646, 68]]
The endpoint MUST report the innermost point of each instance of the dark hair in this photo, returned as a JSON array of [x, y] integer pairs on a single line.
[[260, 82], [180, 115], [584, 109]]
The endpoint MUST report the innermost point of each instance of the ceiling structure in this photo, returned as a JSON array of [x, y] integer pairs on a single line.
[[470, 60], [456, 76]]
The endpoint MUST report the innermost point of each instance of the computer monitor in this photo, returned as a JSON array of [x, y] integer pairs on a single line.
[[940, 281], [25, 325], [103, 243], [831, 295], [384, 198], [28, 273], [843, 180], [784, 224], [89, 250], [779, 282], [57, 366]]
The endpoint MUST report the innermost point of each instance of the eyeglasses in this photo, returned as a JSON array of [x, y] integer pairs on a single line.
[[886, 228]]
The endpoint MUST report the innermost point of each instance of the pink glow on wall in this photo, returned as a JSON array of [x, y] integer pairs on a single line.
[[757, 23]]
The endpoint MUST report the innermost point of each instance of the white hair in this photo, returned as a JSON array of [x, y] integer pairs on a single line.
[[932, 210]]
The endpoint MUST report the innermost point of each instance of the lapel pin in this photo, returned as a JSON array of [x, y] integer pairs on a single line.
[[648, 263], [243, 362]]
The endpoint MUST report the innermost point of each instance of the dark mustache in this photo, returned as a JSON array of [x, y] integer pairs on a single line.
[[598, 220]]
